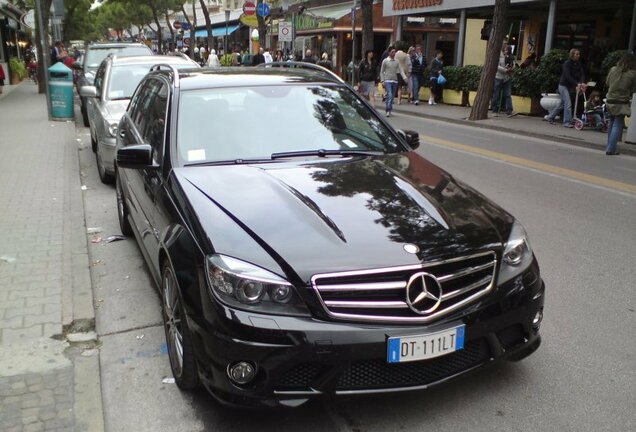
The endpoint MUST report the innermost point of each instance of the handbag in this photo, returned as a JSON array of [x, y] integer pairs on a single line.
[[441, 80]]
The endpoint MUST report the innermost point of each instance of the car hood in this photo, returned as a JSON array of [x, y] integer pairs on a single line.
[[338, 214]]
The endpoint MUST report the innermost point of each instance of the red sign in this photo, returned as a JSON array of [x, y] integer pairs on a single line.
[[249, 8], [176, 25]]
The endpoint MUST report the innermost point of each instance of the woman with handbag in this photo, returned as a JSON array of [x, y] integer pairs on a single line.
[[621, 81], [436, 71]]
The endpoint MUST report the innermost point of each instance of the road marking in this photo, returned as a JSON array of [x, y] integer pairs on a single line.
[[577, 175]]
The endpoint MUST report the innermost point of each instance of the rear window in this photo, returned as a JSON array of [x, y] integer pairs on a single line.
[[94, 56]]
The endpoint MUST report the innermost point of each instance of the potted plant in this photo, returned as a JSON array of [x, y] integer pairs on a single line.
[[548, 76], [526, 89], [456, 87], [17, 70]]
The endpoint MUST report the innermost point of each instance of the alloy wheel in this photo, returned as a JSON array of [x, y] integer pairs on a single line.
[[173, 322]]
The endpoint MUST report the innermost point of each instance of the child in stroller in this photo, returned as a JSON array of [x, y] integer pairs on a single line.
[[594, 114]]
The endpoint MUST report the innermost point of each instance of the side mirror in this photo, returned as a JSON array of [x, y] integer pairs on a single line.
[[135, 156], [88, 91], [76, 65], [412, 138]]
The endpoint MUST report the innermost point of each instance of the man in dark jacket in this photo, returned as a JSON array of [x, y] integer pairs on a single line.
[[572, 76], [258, 58], [418, 65]]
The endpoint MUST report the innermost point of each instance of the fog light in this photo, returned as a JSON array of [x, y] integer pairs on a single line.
[[536, 322], [241, 372]]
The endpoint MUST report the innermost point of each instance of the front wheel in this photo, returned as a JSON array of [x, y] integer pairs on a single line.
[[84, 114], [122, 209], [180, 350], [578, 125]]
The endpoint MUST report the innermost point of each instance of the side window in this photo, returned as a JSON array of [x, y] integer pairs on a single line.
[[142, 101], [155, 126], [99, 78]]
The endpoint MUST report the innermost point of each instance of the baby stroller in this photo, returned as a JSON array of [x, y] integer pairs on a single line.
[[596, 118]]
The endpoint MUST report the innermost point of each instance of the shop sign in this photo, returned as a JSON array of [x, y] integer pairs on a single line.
[[306, 22], [414, 4]]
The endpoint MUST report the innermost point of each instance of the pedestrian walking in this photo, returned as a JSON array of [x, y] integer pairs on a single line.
[[436, 70], [268, 56], [258, 58], [502, 90], [325, 62], [405, 62], [368, 75], [572, 76], [213, 60], [389, 72], [621, 81], [309, 57], [418, 65]]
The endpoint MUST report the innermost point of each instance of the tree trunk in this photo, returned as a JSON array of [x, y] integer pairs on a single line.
[[169, 26], [367, 25], [44, 56], [479, 111], [208, 24], [159, 36]]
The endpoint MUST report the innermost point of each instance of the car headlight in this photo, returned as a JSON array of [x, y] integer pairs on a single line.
[[111, 128], [517, 254], [246, 286]]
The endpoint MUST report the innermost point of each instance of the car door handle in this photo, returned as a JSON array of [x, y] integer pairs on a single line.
[[122, 133]]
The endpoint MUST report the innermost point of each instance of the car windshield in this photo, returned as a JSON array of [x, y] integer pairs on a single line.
[[95, 55], [268, 122]]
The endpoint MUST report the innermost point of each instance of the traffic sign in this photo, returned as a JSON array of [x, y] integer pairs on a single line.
[[249, 8], [262, 9], [185, 26], [176, 25], [285, 31]]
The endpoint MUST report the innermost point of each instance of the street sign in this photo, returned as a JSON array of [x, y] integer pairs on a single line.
[[185, 26], [285, 31], [176, 25], [262, 9], [186, 41], [249, 8]]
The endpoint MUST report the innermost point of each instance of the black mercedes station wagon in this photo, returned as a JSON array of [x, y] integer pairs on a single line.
[[302, 248]]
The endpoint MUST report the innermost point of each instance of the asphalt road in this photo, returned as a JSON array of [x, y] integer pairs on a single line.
[[579, 208]]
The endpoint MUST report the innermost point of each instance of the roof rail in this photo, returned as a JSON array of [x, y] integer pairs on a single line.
[[304, 65], [173, 69]]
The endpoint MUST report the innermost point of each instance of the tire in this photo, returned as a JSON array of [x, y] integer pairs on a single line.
[[180, 351], [105, 177], [122, 209], [84, 113], [578, 125], [93, 144]]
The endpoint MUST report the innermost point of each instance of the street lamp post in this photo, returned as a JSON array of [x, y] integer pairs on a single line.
[[227, 18], [353, 43]]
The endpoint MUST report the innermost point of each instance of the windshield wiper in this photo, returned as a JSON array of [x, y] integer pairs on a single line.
[[228, 162], [323, 153]]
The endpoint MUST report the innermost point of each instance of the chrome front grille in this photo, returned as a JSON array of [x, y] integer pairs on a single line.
[[381, 294]]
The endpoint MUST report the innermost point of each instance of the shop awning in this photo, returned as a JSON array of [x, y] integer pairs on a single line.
[[216, 32], [332, 11]]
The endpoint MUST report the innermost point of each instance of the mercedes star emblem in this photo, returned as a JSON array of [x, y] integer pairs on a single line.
[[423, 293]]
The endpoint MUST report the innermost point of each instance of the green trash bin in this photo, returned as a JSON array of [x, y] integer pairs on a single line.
[[61, 92]]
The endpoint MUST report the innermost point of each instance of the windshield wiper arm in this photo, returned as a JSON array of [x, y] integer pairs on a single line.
[[228, 162], [323, 153]]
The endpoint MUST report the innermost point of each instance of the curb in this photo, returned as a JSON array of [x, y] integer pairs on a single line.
[[625, 149]]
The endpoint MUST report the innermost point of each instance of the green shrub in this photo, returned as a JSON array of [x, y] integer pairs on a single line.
[[226, 60], [471, 76], [549, 70], [527, 82], [454, 77], [17, 66]]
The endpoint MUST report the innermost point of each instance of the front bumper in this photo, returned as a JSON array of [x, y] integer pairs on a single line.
[[298, 359], [107, 153]]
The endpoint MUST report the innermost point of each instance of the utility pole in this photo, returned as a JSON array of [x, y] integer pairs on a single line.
[[44, 61]]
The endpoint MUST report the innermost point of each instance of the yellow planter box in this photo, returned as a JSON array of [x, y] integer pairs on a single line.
[[526, 105], [454, 97], [425, 93]]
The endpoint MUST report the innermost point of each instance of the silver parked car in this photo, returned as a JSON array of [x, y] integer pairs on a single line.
[[115, 82]]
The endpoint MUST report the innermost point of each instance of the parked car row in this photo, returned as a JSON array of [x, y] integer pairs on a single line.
[[328, 259]]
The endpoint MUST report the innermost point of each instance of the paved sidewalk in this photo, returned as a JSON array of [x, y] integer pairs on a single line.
[[49, 371], [526, 125]]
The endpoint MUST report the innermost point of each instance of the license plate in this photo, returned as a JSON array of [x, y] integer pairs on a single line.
[[422, 347]]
